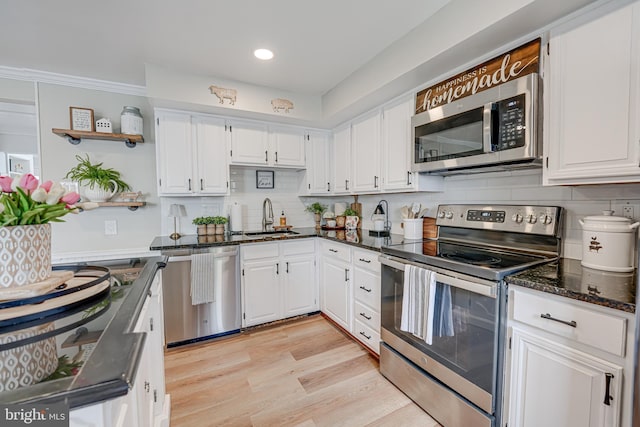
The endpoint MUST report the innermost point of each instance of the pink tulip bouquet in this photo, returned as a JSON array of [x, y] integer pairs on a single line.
[[23, 201]]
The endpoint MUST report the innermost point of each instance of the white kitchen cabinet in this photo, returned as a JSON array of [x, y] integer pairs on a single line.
[[299, 285], [365, 151], [396, 146], [342, 160], [261, 290], [146, 404], [350, 289], [592, 85], [318, 174], [278, 280], [555, 385], [249, 142], [173, 152], [258, 143], [335, 282], [190, 152], [287, 146], [564, 358], [366, 296]]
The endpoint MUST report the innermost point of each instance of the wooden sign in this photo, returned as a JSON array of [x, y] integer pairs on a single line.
[[516, 63]]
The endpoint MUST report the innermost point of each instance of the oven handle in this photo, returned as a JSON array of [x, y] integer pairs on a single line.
[[477, 288]]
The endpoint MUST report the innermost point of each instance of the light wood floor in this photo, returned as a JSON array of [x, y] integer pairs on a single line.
[[305, 373]]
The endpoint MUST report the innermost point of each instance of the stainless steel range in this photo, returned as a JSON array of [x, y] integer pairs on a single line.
[[444, 306]]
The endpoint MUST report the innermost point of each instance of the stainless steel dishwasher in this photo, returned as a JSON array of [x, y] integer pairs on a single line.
[[186, 323]]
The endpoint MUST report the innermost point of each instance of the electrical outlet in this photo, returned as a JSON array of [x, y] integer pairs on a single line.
[[627, 212], [110, 227]]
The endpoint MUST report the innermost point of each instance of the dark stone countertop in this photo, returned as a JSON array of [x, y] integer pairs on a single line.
[[111, 366], [568, 278], [359, 238]]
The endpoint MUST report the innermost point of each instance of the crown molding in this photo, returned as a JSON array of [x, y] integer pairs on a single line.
[[72, 81]]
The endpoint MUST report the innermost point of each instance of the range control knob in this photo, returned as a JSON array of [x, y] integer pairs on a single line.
[[517, 218], [545, 219], [441, 214], [449, 215], [531, 219]]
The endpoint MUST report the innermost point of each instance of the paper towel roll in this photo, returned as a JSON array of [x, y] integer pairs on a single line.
[[339, 208], [236, 217]]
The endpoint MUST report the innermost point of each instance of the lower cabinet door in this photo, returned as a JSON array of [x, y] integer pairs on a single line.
[[299, 285], [554, 385], [261, 292], [336, 291]]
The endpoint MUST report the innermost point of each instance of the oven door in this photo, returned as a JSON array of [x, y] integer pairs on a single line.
[[467, 359]]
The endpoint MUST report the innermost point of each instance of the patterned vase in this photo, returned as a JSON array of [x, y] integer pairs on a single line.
[[30, 363], [25, 254]]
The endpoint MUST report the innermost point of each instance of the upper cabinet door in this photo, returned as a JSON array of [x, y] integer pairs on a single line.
[[365, 140], [249, 143], [342, 160], [592, 89], [211, 156], [174, 153], [396, 146], [287, 147], [318, 163]]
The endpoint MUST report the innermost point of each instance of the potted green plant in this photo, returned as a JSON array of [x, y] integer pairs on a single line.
[[201, 224], [352, 218], [99, 183], [219, 222], [316, 208]]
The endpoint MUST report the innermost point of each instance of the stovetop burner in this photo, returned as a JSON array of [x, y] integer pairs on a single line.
[[481, 260]]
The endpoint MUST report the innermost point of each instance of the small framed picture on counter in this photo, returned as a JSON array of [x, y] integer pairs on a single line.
[[81, 119], [264, 179]]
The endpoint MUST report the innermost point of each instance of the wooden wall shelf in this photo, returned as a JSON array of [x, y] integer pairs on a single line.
[[75, 136], [131, 205]]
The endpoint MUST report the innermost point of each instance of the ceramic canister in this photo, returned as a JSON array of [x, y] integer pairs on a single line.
[[608, 242]]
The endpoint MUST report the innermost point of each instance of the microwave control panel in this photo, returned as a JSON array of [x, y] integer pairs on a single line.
[[511, 119]]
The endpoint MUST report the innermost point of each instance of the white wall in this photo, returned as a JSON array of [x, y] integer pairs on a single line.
[[84, 233]]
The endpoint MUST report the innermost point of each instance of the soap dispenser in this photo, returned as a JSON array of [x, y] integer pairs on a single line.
[[283, 220]]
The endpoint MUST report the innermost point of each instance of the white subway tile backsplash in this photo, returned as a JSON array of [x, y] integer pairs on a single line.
[[514, 187]]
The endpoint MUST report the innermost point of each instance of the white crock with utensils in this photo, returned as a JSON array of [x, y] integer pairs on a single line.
[[608, 242]]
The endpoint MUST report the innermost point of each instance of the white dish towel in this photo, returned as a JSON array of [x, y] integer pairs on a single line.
[[418, 300], [202, 278]]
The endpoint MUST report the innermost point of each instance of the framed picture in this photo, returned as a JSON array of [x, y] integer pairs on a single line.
[[81, 119], [264, 179]]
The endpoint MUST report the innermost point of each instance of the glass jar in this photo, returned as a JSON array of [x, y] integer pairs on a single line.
[[131, 121]]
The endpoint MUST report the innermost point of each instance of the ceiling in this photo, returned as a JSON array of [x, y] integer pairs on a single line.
[[317, 44]]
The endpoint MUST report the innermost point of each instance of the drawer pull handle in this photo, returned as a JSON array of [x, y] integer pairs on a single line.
[[365, 335], [346, 274], [365, 289], [333, 250], [365, 316], [593, 290], [607, 396], [547, 316], [365, 260]]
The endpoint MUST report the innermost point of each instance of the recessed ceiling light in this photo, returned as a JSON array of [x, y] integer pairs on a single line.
[[263, 54]]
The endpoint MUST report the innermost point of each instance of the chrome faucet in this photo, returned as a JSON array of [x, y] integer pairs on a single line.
[[267, 215]]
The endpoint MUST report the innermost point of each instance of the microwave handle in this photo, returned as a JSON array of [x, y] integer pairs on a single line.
[[490, 125]]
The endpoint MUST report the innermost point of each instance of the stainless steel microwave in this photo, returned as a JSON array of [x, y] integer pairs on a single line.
[[499, 128]]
